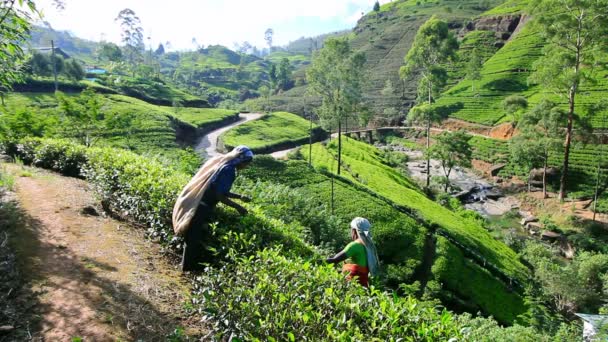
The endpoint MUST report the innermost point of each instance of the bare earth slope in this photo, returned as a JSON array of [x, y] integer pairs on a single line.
[[94, 277]]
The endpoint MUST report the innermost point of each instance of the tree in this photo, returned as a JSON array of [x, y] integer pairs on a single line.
[[132, 36], [268, 38], [160, 50], [433, 46], [513, 105], [390, 111], [376, 6], [74, 70], [336, 75], [83, 114], [284, 74], [473, 68], [266, 92], [39, 64], [110, 52], [452, 149], [541, 130], [15, 16], [272, 76], [575, 31]]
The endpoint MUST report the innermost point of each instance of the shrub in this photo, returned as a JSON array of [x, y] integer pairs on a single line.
[[145, 190], [271, 297]]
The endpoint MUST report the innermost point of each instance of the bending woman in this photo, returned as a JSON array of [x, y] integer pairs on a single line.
[[361, 252], [195, 205]]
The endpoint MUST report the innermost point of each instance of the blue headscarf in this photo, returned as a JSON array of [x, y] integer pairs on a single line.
[[245, 155]]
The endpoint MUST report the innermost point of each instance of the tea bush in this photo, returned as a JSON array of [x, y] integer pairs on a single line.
[[144, 191], [270, 297]]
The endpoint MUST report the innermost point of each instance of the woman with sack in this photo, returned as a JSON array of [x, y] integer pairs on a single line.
[[194, 206]]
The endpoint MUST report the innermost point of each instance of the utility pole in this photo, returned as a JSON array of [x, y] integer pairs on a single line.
[[310, 140], [599, 172], [54, 64]]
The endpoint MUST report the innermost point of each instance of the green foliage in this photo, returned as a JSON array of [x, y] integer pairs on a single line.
[[578, 285], [434, 45], [270, 297], [74, 70], [84, 115], [475, 284], [401, 237], [145, 190], [452, 149], [276, 130], [513, 105], [14, 29], [336, 76], [366, 168]]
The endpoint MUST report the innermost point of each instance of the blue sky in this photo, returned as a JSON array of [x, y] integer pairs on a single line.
[[209, 21]]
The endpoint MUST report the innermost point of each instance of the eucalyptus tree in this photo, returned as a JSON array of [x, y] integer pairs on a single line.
[[514, 105], [433, 47], [541, 128], [336, 75], [132, 36], [575, 32]]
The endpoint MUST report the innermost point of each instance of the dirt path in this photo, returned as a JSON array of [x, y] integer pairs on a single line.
[[207, 146], [94, 277]]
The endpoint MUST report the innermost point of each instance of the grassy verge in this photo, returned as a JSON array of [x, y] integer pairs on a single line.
[[271, 132]]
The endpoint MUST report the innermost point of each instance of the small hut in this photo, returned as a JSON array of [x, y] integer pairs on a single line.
[[594, 325]]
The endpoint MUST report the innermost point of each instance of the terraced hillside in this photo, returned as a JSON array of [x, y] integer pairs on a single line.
[[148, 129], [488, 261], [582, 176]]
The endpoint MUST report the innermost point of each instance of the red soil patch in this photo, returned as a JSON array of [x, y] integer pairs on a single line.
[[504, 132]]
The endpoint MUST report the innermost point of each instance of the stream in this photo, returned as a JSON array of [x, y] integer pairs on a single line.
[[476, 192]]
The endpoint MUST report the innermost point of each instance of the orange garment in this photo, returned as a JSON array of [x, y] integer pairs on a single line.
[[354, 270]]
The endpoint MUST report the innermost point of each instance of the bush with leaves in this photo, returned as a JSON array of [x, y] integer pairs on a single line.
[[144, 191]]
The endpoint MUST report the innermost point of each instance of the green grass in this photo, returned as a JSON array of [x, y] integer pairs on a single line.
[[509, 7], [363, 163], [270, 131]]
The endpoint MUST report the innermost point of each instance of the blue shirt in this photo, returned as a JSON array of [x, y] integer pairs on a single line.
[[223, 182]]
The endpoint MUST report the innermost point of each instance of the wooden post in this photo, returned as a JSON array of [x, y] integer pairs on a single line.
[[370, 137], [53, 61]]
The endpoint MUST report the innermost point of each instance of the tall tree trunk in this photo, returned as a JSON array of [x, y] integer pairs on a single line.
[[562, 181], [597, 181], [339, 145], [310, 142], [428, 157], [571, 99], [428, 138], [545, 177]]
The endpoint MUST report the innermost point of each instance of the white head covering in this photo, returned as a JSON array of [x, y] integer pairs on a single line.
[[362, 226]]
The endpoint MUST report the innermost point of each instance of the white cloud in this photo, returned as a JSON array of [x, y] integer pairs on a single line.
[[210, 21]]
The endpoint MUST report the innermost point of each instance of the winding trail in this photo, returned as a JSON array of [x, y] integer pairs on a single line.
[[91, 277], [207, 146]]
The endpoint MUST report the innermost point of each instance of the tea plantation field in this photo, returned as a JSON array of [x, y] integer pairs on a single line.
[[272, 132], [363, 164], [124, 122]]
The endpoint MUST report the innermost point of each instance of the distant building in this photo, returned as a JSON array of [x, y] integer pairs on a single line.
[[48, 50], [594, 325]]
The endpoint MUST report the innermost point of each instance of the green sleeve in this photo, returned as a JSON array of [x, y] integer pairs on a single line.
[[351, 249]]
